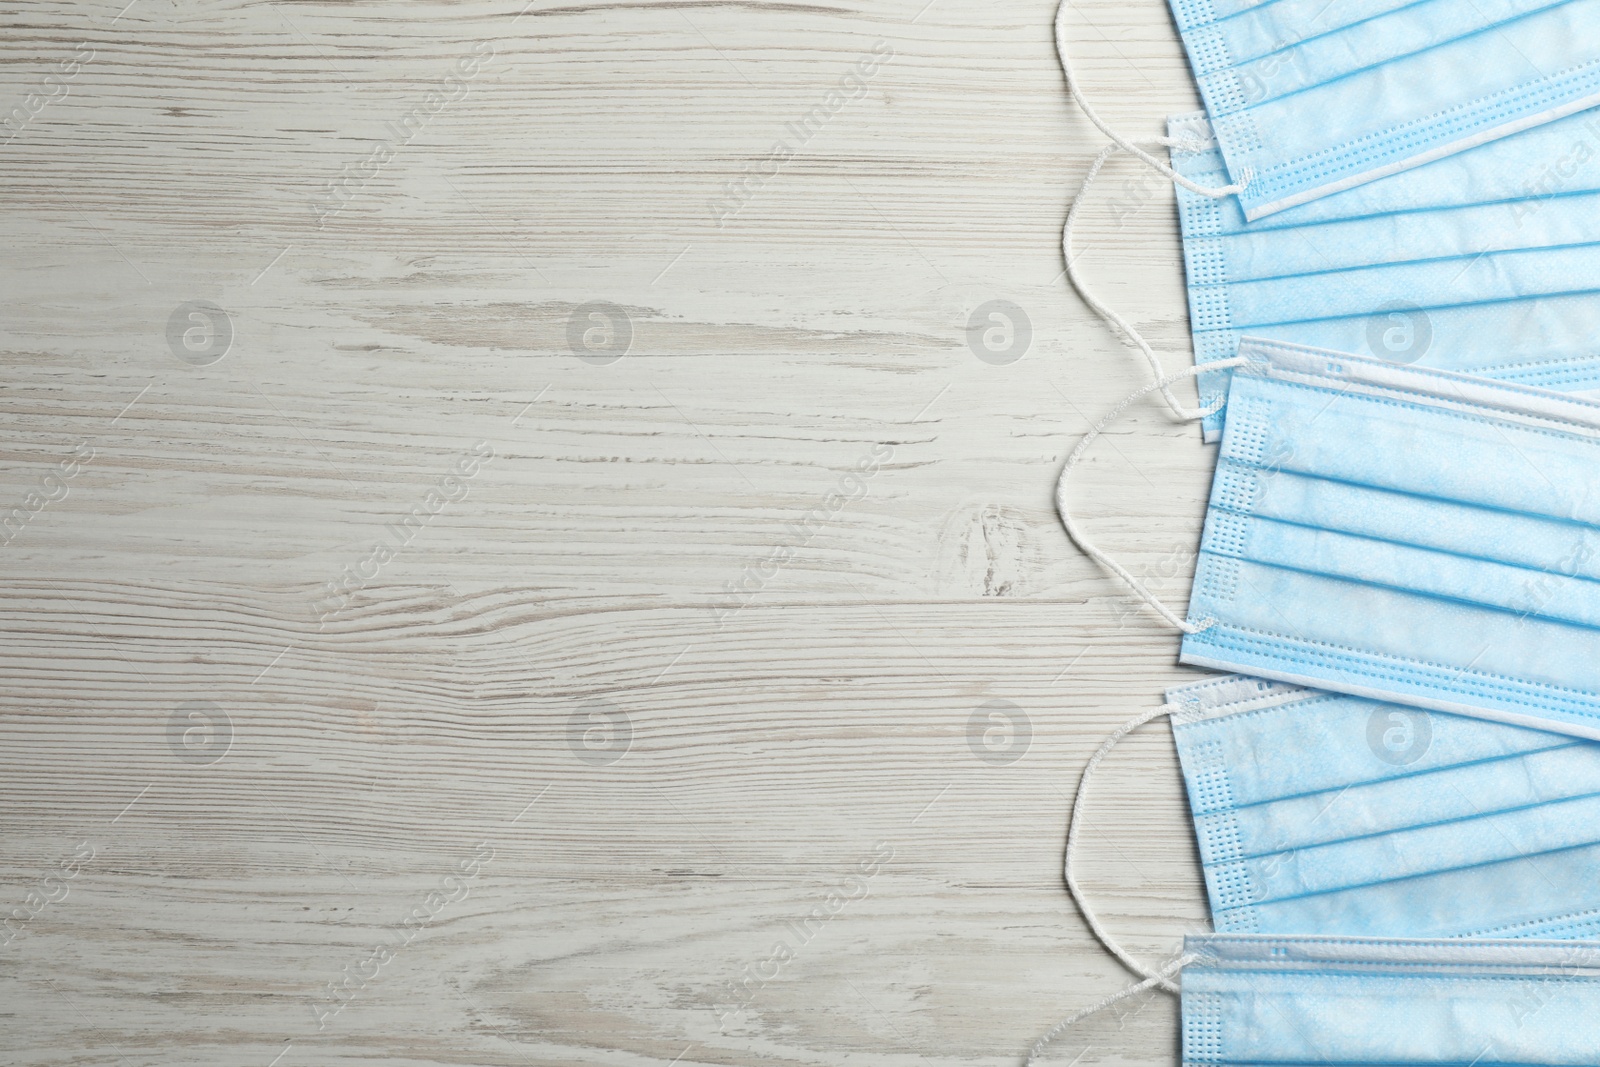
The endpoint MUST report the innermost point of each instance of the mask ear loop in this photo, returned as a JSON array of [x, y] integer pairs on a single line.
[[1160, 977], [1119, 324], [1064, 506], [1123, 142], [1120, 143], [1151, 977], [1163, 975]]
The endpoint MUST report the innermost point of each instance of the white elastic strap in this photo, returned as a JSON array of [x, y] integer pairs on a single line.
[[1077, 96], [1064, 509], [1152, 976], [1163, 975], [1114, 320]]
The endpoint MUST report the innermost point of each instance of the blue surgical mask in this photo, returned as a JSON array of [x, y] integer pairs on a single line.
[[1487, 262], [1407, 535], [1319, 813], [1309, 97], [1329, 1000], [1261, 1000]]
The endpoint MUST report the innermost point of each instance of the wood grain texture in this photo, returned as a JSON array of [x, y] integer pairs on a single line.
[[694, 665]]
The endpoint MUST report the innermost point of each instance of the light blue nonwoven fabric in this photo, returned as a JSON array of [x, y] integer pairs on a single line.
[[1310, 97], [1258, 1001], [1487, 262], [1320, 813], [1404, 534]]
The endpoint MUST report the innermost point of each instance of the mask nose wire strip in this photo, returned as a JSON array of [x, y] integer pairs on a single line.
[[1055, 1031], [1152, 977], [1127, 145], [1111, 318], [1064, 506]]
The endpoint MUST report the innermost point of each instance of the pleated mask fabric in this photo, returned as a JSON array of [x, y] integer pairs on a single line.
[[1487, 262], [1320, 813], [1407, 535], [1309, 97], [1253, 1001]]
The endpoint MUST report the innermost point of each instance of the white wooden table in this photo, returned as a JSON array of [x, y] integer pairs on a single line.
[[327, 740]]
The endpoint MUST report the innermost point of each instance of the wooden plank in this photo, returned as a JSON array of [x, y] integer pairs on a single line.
[[582, 735]]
